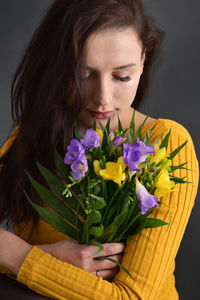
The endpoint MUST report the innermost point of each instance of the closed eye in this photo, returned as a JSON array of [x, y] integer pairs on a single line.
[[123, 79]]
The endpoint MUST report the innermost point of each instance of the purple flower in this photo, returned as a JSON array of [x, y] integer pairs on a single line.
[[146, 200], [75, 152], [136, 153], [90, 139], [79, 168], [117, 141]]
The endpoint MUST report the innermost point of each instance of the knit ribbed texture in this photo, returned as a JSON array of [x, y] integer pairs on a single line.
[[151, 260]]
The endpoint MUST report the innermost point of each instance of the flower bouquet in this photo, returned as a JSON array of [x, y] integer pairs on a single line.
[[106, 187]]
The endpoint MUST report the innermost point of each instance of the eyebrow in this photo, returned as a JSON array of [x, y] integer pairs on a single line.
[[125, 66], [116, 68]]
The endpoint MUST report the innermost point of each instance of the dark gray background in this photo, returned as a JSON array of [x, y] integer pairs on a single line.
[[174, 92]]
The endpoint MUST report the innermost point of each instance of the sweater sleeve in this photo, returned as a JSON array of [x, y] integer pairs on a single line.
[[150, 260]]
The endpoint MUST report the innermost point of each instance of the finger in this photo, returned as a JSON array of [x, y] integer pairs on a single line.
[[102, 264], [107, 274], [111, 249]]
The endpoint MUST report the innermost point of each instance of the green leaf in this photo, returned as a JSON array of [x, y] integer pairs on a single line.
[[52, 180], [151, 130], [152, 223], [75, 203], [108, 125], [112, 230], [94, 217], [178, 180], [54, 220], [77, 134], [173, 168], [156, 141], [139, 130], [130, 211], [146, 140], [131, 239], [165, 141], [55, 203], [131, 137], [97, 244], [100, 202], [105, 137], [61, 167], [124, 132], [117, 263], [120, 129], [94, 125], [96, 230], [137, 225], [176, 151]]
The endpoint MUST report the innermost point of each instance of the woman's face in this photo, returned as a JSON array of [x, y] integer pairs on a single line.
[[111, 70]]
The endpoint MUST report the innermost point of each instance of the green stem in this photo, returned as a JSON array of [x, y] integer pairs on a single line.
[[110, 204], [130, 224]]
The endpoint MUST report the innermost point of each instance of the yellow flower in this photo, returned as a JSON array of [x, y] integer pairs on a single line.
[[100, 134], [163, 184], [114, 171], [159, 155], [96, 166]]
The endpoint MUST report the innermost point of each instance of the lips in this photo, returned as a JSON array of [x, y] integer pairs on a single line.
[[101, 115]]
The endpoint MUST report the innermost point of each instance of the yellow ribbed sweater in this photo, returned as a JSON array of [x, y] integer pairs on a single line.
[[151, 260]]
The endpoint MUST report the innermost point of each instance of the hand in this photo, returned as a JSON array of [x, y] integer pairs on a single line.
[[79, 255]]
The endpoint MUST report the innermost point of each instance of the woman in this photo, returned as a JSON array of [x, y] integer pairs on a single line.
[[88, 58]]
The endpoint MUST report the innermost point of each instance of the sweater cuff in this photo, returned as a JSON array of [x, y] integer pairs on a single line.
[[52, 277]]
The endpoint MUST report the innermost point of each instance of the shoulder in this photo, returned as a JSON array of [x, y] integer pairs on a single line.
[[162, 127]]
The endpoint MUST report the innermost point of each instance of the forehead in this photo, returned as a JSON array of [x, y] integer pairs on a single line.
[[112, 48]]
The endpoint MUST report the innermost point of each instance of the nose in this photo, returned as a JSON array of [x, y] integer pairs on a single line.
[[103, 92]]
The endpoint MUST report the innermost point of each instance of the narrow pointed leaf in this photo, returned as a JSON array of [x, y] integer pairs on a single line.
[[152, 223], [97, 244], [176, 151], [156, 141], [117, 263], [120, 129], [124, 132], [108, 125], [146, 140], [131, 137], [139, 130], [75, 203], [54, 202], [105, 137], [151, 130], [173, 168], [94, 125], [136, 225], [55, 221], [178, 180], [165, 141], [52, 180]]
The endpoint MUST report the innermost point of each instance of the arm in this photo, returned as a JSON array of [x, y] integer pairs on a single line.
[[13, 251], [10, 243], [150, 260]]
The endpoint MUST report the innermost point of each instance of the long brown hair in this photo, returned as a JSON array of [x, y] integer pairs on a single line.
[[48, 79]]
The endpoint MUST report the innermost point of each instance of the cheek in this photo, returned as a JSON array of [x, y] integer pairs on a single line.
[[128, 88]]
